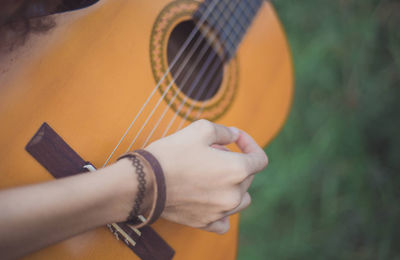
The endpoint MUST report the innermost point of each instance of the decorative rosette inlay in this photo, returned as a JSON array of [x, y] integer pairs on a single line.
[[211, 109]]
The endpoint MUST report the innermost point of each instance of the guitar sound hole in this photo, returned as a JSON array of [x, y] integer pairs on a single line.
[[197, 73]]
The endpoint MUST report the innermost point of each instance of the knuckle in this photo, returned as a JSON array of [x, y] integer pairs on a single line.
[[266, 160], [232, 201], [239, 171], [202, 123], [250, 164], [205, 126], [248, 200], [263, 161], [236, 200], [219, 227]]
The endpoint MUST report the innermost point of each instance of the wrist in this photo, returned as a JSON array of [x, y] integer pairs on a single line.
[[126, 187]]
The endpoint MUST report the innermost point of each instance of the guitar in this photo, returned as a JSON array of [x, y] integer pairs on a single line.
[[118, 75]]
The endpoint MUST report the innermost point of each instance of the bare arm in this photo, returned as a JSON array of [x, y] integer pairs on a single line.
[[205, 183], [38, 215]]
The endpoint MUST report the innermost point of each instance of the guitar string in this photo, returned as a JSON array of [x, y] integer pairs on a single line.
[[205, 83], [147, 120], [210, 58], [193, 86], [205, 33], [209, 78], [164, 76], [168, 106], [176, 58], [180, 70], [201, 91], [162, 97], [211, 90], [203, 105]]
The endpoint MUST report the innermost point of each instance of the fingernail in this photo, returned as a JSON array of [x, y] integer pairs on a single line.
[[235, 132]]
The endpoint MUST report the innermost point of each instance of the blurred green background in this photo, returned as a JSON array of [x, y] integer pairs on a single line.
[[332, 188]]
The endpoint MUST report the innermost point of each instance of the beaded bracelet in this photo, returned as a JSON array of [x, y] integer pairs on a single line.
[[137, 157]]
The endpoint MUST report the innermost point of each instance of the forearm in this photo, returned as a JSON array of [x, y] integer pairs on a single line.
[[205, 183], [38, 215]]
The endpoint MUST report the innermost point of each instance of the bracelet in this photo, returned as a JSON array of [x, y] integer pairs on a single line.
[[160, 190], [133, 217], [137, 157]]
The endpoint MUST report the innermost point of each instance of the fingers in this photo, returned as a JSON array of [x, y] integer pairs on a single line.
[[245, 185], [220, 147], [222, 135], [246, 201], [222, 226], [253, 155], [214, 133]]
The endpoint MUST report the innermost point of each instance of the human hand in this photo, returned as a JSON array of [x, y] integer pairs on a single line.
[[205, 181]]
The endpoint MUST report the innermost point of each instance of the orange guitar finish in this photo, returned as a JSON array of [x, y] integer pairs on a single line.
[[90, 75]]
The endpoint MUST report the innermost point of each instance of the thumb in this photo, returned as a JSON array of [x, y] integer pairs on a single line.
[[212, 133], [222, 135]]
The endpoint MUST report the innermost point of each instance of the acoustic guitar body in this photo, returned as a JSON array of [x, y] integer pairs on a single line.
[[92, 73]]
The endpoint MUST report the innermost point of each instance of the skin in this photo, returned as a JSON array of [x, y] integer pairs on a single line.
[[206, 185]]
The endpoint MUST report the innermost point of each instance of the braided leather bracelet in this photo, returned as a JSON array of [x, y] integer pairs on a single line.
[[136, 157]]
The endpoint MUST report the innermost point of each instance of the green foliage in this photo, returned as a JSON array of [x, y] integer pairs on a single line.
[[332, 188]]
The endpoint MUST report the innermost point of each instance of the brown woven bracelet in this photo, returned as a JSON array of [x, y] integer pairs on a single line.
[[159, 190]]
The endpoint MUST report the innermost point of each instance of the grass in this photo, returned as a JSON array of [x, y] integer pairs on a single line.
[[332, 188]]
